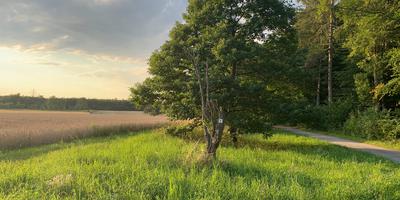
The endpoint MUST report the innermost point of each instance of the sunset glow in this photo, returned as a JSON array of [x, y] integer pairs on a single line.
[[95, 49]]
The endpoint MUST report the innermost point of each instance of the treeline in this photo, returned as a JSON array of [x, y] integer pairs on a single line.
[[351, 51], [40, 103]]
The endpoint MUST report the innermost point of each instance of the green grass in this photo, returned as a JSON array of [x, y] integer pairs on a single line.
[[151, 165], [386, 144]]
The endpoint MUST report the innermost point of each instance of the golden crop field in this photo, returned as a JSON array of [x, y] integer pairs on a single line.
[[19, 128]]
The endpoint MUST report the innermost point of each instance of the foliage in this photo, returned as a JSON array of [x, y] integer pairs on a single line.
[[40, 103], [363, 87], [365, 67], [372, 124], [270, 67], [183, 130], [231, 53], [142, 97], [372, 33], [312, 25], [323, 117]]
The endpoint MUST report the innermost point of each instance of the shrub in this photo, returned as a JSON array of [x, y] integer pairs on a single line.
[[390, 128], [372, 124], [323, 117], [267, 133], [310, 116], [183, 130]]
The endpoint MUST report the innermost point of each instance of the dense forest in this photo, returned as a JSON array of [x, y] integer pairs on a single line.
[[246, 65], [40, 103]]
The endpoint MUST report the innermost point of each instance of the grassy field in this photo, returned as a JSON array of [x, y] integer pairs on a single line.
[[151, 165], [19, 128]]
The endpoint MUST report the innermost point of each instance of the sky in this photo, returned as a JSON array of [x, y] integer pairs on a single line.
[[80, 48]]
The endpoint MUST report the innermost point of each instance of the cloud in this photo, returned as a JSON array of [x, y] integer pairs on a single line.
[[49, 63], [92, 48], [105, 2], [124, 76], [129, 28]]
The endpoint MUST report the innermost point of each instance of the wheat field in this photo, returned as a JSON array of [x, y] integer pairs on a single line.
[[20, 128]]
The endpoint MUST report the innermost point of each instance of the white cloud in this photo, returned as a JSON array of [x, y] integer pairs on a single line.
[[69, 47], [122, 28], [105, 2]]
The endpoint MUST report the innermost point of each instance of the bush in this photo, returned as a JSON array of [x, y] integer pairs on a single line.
[[310, 117], [267, 133], [323, 117], [371, 124], [183, 130]]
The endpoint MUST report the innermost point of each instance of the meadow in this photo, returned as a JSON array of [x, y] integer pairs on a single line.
[[152, 165], [21, 128]]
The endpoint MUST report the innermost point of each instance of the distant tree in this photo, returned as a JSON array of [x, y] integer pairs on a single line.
[[81, 104], [54, 103]]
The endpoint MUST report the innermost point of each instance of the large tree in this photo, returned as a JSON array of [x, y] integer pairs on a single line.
[[315, 24], [224, 65]]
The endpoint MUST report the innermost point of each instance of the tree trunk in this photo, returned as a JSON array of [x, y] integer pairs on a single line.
[[318, 101], [208, 108], [330, 51], [216, 136], [233, 132], [376, 82]]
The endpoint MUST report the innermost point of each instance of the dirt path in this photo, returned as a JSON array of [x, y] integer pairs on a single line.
[[379, 151]]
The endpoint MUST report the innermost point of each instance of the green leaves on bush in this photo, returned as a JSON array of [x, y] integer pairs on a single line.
[[372, 124], [180, 130], [323, 117]]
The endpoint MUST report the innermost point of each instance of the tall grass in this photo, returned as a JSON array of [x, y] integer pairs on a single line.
[[28, 128], [151, 165]]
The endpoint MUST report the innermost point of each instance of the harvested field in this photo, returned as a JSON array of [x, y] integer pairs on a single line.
[[19, 128]]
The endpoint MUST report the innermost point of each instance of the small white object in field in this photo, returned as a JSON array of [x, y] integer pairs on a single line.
[[60, 180]]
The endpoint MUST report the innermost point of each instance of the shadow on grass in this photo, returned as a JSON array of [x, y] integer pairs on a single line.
[[273, 176], [324, 151], [26, 153]]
